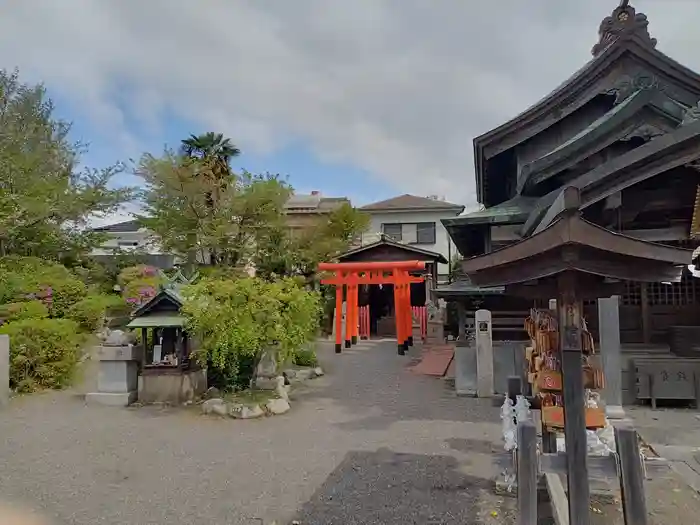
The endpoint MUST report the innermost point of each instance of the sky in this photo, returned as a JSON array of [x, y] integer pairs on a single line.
[[365, 98]]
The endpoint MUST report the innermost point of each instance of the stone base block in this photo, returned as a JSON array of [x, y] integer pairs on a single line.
[[121, 399], [176, 387]]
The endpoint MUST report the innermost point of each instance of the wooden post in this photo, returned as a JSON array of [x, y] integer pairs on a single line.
[[338, 318], [397, 316], [646, 313], [570, 344], [527, 473], [634, 505]]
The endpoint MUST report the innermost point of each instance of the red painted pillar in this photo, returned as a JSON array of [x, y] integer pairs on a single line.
[[355, 313], [397, 314], [348, 312], [408, 312], [338, 318]]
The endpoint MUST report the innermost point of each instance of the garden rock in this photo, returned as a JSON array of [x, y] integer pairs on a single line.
[[318, 372], [212, 393], [220, 409], [282, 389], [239, 411], [277, 406], [209, 404]]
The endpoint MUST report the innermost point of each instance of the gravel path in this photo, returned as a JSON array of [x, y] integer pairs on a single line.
[[369, 443]]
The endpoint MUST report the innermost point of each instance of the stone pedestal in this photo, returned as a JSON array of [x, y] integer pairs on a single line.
[[611, 355], [117, 376], [435, 332], [461, 321], [4, 370], [484, 354], [465, 369]]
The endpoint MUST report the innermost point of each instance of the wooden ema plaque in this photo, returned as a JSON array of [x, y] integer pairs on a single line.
[[553, 417], [551, 380]]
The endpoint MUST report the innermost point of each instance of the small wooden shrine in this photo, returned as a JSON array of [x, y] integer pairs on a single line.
[[571, 259], [168, 374]]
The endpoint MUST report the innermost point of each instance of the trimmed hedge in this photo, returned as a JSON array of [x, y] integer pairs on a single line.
[[44, 353]]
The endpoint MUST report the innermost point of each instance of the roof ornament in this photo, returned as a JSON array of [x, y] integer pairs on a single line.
[[624, 20]]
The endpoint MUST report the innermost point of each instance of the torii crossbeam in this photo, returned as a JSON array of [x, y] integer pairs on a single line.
[[348, 276]]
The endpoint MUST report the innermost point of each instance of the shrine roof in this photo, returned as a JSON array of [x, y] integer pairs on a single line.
[[570, 243], [625, 32], [384, 241], [167, 294], [463, 287], [164, 320], [677, 148], [515, 210]]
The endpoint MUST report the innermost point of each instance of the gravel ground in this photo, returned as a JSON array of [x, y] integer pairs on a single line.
[[369, 443]]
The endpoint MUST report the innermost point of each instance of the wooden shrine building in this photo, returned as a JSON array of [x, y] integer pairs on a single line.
[[624, 130], [380, 299]]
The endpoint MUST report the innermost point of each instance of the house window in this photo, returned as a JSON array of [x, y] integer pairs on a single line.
[[411, 233], [392, 230]]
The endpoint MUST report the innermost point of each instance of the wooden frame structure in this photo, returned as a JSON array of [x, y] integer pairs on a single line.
[[571, 259], [348, 276]]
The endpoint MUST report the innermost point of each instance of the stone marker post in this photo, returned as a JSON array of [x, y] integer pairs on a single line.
[[4, 370], [484, 354], [610, 352]]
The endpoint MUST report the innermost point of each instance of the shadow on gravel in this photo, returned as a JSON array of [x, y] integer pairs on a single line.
[[387, 488]]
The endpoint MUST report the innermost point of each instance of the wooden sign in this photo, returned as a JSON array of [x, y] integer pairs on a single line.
[[549, 380], [553, 417]]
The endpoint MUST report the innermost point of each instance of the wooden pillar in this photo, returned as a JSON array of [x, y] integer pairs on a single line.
[[338, 318], [408, 312], [354, 297], [348, 311], [397, 315], [571, 346], [634, 507], [646, 314], [527, 473]]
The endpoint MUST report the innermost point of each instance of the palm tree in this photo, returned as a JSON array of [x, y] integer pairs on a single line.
[[216, 153], [213, 147]]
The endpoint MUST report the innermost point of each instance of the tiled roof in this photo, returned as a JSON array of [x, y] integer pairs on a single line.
[[412, 202], [126, 226]]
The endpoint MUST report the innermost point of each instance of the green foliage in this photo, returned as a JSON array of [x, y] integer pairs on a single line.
[[139, 284], [240, 319], [91, 311], [280, 251], [44, 353], [25, 310], [305, 357], [206, 213], [28, 278], [45, 201]]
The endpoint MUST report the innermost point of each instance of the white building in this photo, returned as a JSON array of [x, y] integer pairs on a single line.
[[414, 221]]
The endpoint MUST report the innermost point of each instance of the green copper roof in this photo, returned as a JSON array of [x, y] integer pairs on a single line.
[[157, 321], [514, 210]]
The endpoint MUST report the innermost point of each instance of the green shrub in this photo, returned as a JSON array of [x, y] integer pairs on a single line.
[[305, 357], [139, 284], [238, 320], [26, 278], [26, 310], [90, 312], [44, 353]]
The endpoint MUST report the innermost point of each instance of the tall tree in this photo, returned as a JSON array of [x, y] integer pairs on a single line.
[[212, 148], [283, 252], [178, 208], [45, 200]]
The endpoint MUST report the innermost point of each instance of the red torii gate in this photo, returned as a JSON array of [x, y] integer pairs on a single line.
[[352, 274]]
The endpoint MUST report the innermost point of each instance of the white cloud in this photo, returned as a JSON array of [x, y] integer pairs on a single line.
[[398, 88]]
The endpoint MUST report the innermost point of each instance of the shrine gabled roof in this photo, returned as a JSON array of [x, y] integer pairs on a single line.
[[612, 126], [677, 148], [571, 243], [386, 241], [164, 294], [625, 32]]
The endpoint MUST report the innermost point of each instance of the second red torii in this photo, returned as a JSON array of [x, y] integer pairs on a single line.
[[352, 274]]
